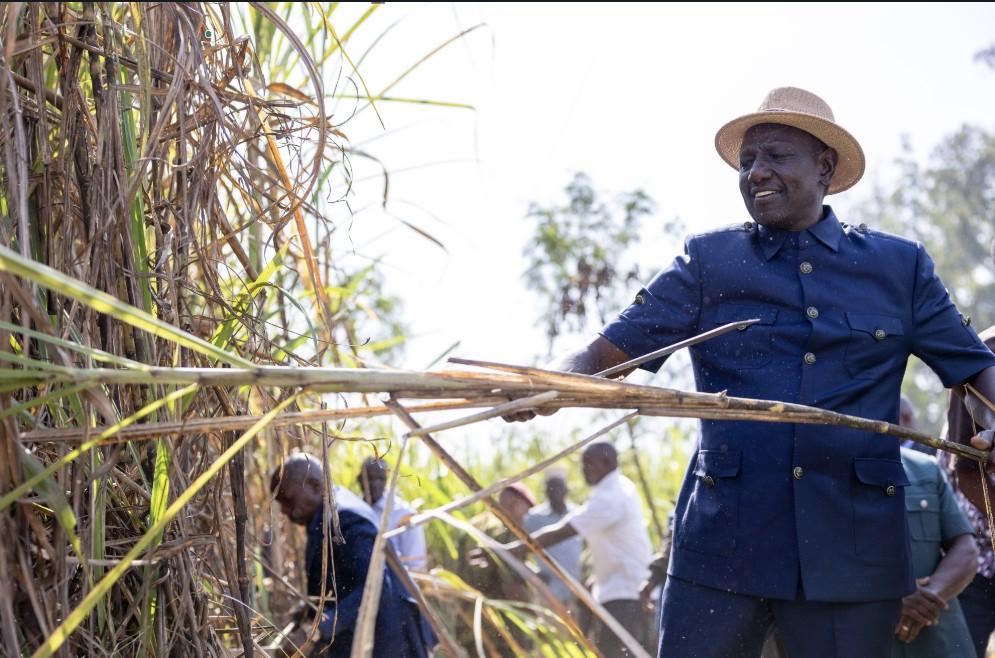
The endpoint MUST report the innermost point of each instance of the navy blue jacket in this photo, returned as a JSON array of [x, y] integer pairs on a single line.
[[399, 632], [781, 510]]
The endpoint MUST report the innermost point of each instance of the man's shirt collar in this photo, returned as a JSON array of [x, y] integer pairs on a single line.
[[828, 231], [608, 480]]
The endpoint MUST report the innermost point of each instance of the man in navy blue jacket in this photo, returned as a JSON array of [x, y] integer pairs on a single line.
[[802, 526], [299, 487]]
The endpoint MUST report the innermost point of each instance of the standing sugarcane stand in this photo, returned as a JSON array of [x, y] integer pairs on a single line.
[[798, 526]]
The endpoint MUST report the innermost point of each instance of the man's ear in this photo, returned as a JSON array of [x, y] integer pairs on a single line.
[[827, 165]]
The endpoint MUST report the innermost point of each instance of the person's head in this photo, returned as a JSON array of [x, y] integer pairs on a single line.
[[517, 500], [599, 460], [784, 173], [298, 486], [372, 479], [790, 154], [556, 490], [906, 413]]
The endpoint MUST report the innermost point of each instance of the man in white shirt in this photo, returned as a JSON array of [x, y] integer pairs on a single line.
[[567, 552], [612, 523], [410, 545]]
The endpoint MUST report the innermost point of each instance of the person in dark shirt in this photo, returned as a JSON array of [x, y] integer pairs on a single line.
[[802, 526], [299, 487], [978, 600]]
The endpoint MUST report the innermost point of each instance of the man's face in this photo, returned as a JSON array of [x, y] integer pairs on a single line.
[[517, 506], [594, 469], [298, 501], [372, 481], [783, 172], [556, 491]]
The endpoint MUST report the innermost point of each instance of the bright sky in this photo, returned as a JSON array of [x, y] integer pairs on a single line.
[[632, 95]]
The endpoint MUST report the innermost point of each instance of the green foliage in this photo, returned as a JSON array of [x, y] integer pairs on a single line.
[[575, 257], [946, 204], [174, 195]]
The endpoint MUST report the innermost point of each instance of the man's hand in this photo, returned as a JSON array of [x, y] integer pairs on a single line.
[[983, 440], [908, 629], [920, 609], [599, 354], [529, 414]]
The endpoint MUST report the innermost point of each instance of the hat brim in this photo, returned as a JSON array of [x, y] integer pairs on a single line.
[[850, 165]]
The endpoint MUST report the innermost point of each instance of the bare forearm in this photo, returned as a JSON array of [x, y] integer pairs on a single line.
[[553, 535], [957, 568], [549, 536], [600, 354]]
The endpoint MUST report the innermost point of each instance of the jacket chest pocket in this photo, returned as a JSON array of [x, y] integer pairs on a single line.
[[923, 512], [874, 344], [746, 348]]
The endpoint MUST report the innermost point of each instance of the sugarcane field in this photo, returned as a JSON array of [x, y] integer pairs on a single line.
[[497, 330]]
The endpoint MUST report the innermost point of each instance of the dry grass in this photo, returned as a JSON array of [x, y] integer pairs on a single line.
[[169, 156]]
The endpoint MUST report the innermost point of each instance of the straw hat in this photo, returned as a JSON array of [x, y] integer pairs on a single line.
[[804, 110]]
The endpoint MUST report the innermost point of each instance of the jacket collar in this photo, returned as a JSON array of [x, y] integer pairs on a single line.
[[828, 231]]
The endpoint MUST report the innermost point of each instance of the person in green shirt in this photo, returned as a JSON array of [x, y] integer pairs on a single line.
[[943, 561]]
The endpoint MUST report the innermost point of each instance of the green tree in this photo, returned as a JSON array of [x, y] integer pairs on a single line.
[[582, 267], [576, 256], [948, 204]]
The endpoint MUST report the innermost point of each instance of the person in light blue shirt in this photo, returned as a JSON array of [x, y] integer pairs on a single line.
[[566, 553]]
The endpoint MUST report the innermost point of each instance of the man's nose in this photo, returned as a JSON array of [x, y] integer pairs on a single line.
[[760, 171]]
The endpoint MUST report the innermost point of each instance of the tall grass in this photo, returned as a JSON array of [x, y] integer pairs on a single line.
[[168, 178], [173, 179]]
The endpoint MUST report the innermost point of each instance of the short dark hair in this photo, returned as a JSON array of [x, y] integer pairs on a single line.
[[298, 468]]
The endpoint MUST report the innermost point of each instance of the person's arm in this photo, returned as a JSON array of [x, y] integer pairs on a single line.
[[551, 535], [599, 354], [984, 418], [954, 572], [658, 574], [666, 311], [984, 383], [349, 566]]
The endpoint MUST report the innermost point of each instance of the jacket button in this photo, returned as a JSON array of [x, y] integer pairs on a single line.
[[805, 268], [923, 504], [708, 479], [809, 358], [812, 312], [747, 226], [890, 490], [798, 472], [880, 334]]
